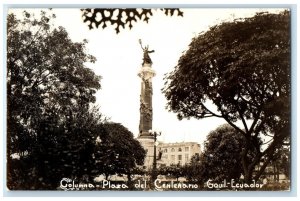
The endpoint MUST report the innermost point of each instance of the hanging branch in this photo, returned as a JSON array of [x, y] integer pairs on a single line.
[[121, 17]]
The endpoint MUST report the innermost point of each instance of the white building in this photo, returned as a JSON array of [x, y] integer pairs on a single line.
[[169, 153], [177, 153]]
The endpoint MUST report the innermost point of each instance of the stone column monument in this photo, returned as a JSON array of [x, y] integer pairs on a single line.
[[146, 73]]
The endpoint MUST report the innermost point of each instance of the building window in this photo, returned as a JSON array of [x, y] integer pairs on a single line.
[[179, 149], [166, 150], [186, 157], [172, 150], [173, 158], [186, 149], [179, 157]]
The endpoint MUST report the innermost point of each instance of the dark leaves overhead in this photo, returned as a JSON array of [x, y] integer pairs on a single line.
[[120, 17]]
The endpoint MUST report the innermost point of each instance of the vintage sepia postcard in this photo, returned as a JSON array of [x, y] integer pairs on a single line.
[[148, 99]]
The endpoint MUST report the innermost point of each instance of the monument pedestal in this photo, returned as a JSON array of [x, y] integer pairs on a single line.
[[148, 145]]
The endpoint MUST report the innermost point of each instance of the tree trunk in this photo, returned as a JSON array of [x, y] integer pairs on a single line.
[[246, 168], [129, 177], [129, 182], [277, 172], [274, 172], [248, 177]]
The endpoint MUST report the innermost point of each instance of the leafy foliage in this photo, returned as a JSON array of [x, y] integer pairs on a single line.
[[221, 158], [243, 69], [195, 170], [120, 17], [280, 164], [49, 121], [118, 152], [173, 171]]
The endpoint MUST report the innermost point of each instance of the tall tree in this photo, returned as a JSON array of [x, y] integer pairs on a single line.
[[49, 90], [239, 71]]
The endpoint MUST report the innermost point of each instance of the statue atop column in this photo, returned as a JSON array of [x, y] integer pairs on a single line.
[[146, 58]]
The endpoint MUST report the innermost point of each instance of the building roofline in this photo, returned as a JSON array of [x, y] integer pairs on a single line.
[[177, 143]]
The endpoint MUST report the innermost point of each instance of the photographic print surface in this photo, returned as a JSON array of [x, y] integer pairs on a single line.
[[149, 99]]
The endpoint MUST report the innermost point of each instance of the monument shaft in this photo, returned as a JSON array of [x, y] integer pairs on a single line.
[[146, 74]]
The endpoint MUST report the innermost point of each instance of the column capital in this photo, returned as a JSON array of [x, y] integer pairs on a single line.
[[146, 72]]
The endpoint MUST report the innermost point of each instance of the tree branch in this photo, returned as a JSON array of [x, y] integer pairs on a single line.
[[210, 112], [232, 124], [255, 121], [243, 120]]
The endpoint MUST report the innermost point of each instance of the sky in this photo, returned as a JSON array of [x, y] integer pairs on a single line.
[[119, 58]]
